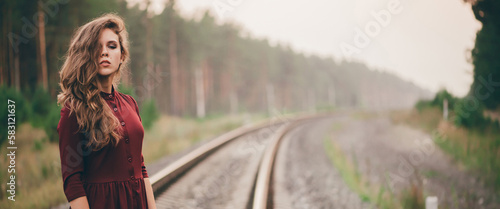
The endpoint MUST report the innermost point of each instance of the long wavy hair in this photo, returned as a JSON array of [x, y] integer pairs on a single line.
[[79, 90]]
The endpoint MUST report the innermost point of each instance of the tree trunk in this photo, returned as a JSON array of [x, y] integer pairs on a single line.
[[173, 67], [200, 93], [10, 67], [182, 90], [17, 73], [42, 47], [3, 45], [207, 82]]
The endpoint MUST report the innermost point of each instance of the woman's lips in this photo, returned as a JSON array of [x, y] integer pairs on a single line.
[[105, 64]]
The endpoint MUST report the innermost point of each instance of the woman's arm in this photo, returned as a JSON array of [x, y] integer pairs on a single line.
[[80, 203], [72, 156], [150, 194]]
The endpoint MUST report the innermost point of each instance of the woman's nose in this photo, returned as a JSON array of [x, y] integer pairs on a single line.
[[104, 51]]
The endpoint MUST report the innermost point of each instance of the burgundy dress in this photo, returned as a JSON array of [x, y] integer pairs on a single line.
[[112, 177]]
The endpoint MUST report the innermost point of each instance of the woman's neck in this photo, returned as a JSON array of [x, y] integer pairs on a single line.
[[105, 83]]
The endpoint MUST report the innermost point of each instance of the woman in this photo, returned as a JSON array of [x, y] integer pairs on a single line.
[[100, 130]]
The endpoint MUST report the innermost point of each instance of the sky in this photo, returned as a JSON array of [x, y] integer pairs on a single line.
[[427, 42]]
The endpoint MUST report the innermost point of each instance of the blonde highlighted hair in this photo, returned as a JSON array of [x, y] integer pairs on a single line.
[[78, 81]]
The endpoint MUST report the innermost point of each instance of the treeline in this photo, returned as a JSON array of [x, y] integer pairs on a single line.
[[485, 54], [191, 67], [465, 112], [477, 113], [480, 107]]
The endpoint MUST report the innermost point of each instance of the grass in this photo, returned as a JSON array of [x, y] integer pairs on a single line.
[[38, 171], [172, 134], [377, 195], [430, 174], [473, 149], [38, 174]]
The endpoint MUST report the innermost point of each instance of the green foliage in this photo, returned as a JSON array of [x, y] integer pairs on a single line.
[[20, 106], [51, 122], [147, 109], [128, 90], [441, 96], [412, 198], [38, 145], [149, 113], [437, 101], [233, 63], [351, 175], [423, 104], [486, 51], [41, 111], [476, 145], [469, 113], [45, 113], [41, 104]]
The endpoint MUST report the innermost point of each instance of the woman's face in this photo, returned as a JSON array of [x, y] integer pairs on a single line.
[[110, 57]]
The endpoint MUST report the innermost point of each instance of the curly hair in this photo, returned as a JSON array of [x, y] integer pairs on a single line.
[[78, 81]]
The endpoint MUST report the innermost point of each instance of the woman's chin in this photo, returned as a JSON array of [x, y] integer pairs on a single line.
[[105, 72]]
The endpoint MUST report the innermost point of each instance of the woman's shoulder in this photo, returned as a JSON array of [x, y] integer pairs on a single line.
[[124, 95], [128, 98], [67, 112], [68, 118], [65, 108]]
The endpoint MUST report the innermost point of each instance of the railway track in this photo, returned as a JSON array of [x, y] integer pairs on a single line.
[[234, 170]]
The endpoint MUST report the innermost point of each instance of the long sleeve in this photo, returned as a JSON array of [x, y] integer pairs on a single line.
[[71, 153]]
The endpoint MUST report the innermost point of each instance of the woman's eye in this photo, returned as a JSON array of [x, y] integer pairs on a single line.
[[112, 46]]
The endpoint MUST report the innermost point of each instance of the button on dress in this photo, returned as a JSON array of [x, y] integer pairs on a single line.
[[112, 177]]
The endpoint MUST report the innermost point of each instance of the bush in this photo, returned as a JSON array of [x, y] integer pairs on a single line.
[[41, 104], [437, 101], [127, 90], [21, 109], [147, 109], [441, 96], [423, 104], [45, 113], [149, 113], [469, 115], [51, 122]]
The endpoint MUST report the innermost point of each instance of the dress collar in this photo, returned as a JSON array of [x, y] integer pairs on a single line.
[[109, 96]]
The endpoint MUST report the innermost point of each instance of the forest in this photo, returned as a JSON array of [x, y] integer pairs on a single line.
[[169, 51], [201, 67]]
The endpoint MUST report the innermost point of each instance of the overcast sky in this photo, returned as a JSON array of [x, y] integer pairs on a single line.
[[425, 41]]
